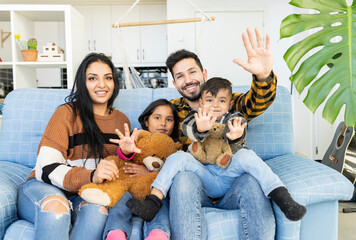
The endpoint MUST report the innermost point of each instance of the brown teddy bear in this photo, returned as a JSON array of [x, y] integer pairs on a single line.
[[213, 150], [155, 148]]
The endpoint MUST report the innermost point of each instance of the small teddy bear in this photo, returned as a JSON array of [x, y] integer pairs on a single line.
[[155, 148], [214, 149]]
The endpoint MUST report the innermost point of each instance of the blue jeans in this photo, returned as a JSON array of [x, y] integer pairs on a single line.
[[187, 197], [88, 220], [120, 217], [216, 180]]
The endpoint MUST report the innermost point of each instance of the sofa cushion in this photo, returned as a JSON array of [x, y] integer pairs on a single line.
[[25, 116], [269, 135], [12, 175], [27, 111], [20, 229], [132, 103], [222, 224]]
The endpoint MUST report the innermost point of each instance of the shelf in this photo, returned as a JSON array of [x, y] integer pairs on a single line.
[[42, 64], [5, 64], [61, 24], [39, 13]]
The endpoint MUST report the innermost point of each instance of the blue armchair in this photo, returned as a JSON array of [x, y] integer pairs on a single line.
[[27, 111]]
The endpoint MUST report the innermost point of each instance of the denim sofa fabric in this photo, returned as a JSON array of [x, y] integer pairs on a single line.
[[27, 111]]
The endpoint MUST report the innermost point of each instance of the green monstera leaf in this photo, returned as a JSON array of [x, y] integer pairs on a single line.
[[334, 45]]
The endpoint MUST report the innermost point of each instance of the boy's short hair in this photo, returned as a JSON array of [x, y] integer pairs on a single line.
[[213, 85], [180, 55]]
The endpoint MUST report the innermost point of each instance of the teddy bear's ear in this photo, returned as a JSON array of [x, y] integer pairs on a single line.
[[142, 134]]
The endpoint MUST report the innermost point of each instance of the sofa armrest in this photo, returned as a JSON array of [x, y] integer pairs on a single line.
[[310, 182], [315, 186], [11, 177]]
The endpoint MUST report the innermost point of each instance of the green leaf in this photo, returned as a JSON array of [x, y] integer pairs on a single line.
[[330, 40]]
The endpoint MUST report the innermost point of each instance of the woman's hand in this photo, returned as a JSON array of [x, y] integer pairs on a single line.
[[135, 170], [106, 169], [126, 142]]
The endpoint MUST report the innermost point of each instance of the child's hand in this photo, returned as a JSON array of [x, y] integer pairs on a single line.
[[236, 129], [127, 142], [204, 119], [135, 170]]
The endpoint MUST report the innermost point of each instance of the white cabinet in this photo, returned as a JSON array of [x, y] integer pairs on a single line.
[[24, 20], [144, 45], [97, 27]]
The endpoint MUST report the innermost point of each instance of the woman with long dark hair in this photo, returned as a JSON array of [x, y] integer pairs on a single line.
[[71, 153]]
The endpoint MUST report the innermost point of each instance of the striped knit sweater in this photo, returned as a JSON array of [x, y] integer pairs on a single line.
[[61, 156], [189, 128], [251, 104]]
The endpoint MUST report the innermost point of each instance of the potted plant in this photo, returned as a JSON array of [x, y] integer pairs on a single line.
[[28, 48], [333, 41]]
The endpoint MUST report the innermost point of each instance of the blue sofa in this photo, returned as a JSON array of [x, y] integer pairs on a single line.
[[27, 111]]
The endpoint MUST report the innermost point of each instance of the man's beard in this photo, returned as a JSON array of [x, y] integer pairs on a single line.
[[190, 98]]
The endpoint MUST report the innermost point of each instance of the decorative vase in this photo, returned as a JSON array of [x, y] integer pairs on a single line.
[[29, 55]]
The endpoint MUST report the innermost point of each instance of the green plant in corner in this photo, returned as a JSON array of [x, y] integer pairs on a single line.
[[334, 41]]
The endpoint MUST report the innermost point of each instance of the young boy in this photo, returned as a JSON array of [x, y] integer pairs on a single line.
[[215, 103]]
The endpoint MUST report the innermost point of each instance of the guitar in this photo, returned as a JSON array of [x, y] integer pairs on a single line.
[[340, 156]]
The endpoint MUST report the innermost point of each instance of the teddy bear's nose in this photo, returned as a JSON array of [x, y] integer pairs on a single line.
[[214, 129], [156, 164]]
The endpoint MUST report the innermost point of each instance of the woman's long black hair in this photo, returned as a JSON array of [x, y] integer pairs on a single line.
[[150, 109], [82, 104]]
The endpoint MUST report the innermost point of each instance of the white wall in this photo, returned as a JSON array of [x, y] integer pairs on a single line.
[[183, 36]]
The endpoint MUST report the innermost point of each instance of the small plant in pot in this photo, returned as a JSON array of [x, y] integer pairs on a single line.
[[331, 37], [28, 48]]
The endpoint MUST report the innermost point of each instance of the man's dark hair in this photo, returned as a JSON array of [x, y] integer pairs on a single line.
[[213, 85], [151, 108], [179, 55]]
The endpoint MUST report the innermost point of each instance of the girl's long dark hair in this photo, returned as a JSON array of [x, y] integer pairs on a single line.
[[81, 103], [150, 109]]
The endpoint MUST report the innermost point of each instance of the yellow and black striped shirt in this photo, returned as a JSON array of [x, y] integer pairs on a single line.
[[251, 104]]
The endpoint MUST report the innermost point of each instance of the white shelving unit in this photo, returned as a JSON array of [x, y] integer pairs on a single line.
[[23, 19]]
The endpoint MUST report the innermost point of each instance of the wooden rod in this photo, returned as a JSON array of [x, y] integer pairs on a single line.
[[3, 39], [186, 20]]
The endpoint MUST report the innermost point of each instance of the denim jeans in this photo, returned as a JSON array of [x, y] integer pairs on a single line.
[[120, 217], [87, 220], [187, 197], [216, 180]]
